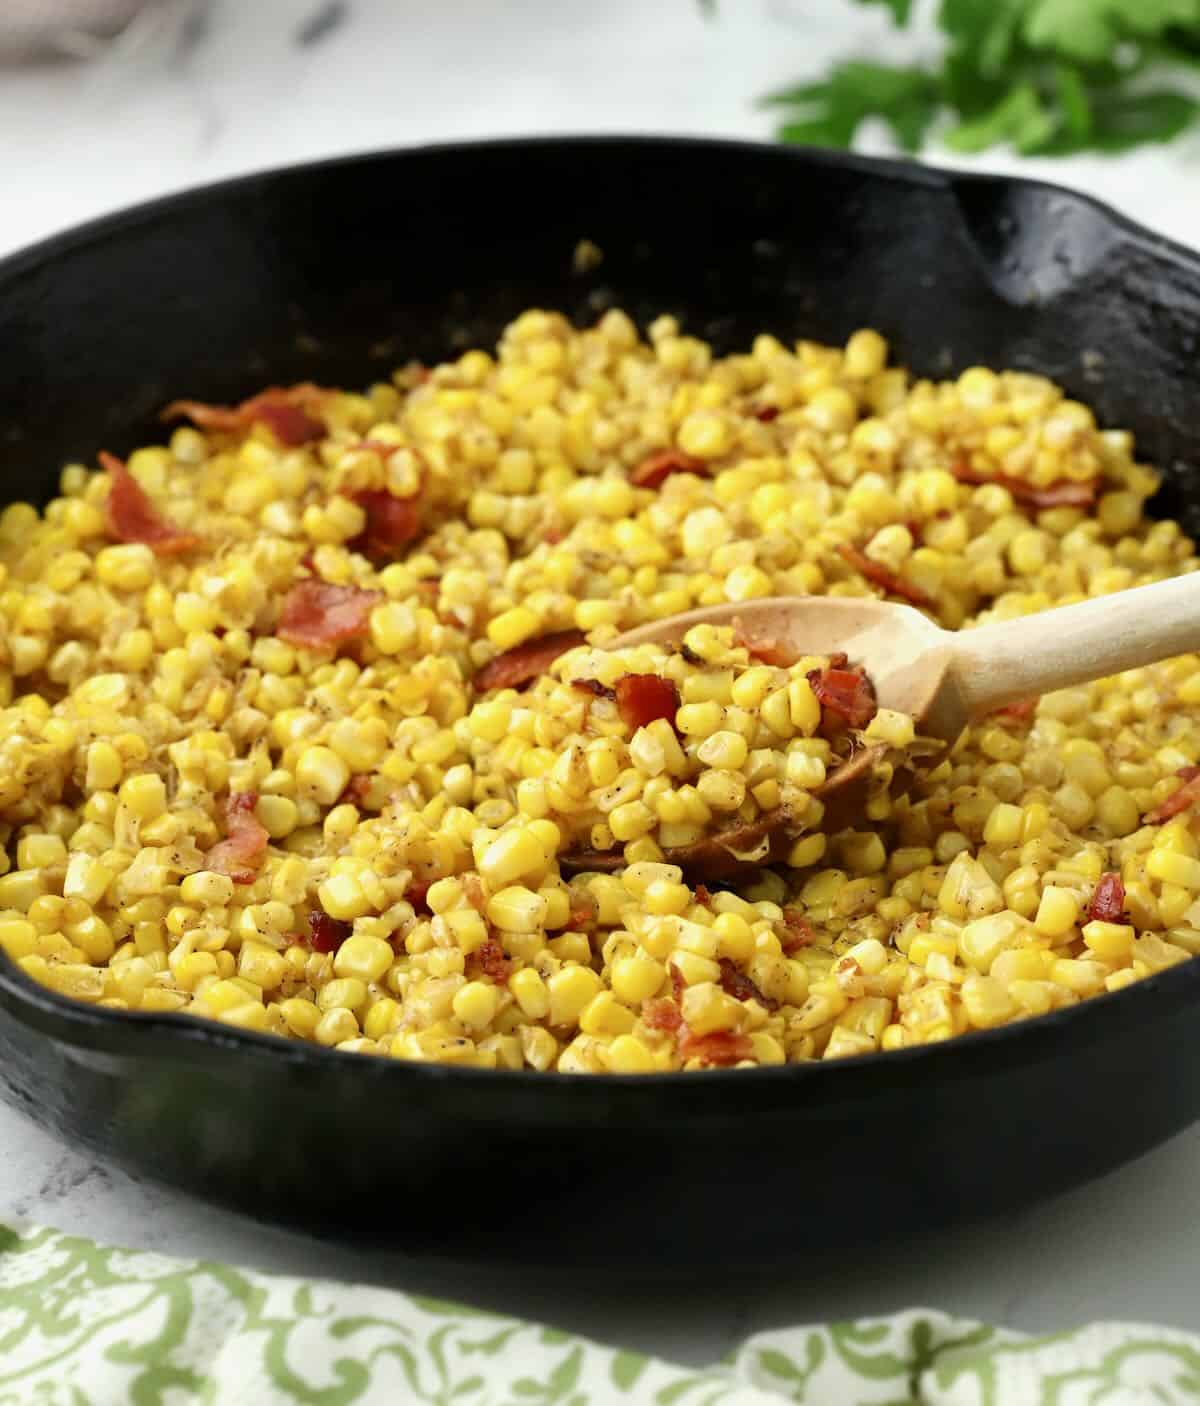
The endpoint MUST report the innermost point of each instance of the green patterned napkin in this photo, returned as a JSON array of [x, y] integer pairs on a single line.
[[85, 1325]]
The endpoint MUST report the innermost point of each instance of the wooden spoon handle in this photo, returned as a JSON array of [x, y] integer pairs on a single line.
[[1024, 658]]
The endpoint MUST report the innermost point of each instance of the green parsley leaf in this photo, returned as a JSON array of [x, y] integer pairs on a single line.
[[830, 113], [1021, 118], [1043, 76], [1089, 30]]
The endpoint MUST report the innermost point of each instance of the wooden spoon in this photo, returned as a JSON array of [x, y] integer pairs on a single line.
[[944, 679]]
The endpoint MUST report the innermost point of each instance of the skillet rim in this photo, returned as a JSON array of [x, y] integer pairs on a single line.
[[114, 1032]]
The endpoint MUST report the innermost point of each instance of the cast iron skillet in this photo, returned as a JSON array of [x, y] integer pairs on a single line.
[[339, 270]]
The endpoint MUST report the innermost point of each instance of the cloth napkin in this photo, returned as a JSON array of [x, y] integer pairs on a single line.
[[83, 1324]]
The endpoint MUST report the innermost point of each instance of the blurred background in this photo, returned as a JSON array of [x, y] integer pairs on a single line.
[[105, 102]]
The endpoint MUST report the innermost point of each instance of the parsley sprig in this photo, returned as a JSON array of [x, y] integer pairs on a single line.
[[1048, 77]]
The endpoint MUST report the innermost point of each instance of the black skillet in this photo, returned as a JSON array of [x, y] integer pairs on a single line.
[[338, 271]]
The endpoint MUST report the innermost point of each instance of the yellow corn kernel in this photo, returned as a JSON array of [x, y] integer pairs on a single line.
[[637, 978], [514, 854], [513, 627], [335, 1027], [1175, 868], [475, 1004], [367, 958], [1057, 913], [1003, 828], [517, 909], [342, 897], [628, 1055], [605, 1015], [322, 775], [1110, 942], [206, 889], [570, 989], [530, 993]]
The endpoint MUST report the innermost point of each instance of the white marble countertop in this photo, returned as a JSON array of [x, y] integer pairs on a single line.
[[243, 92]]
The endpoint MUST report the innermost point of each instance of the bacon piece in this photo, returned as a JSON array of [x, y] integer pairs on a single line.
[[702, 895], [473, 888], [317, 614], [392, 523], [916, 530], [583, 912], [355, 790], [594, 687], [240, 854], [676, 981], [656, 468], [1181, 800], [845, 692], [130, 516], [328, 933], [880, 575], [738, 985], [524, 662], [661, 1014], [798, 931], [1019, 712], [289, 412], [1063, 494], [492, 961], [644, 698], [717, 1047], [1108, 900], [417, 894], [777, 653], [766, 413]]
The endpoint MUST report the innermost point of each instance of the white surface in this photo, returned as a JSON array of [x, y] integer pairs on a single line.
[[75, 142]]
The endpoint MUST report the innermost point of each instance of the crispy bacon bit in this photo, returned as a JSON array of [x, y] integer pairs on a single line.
[[1021, 712], [240, 854], [676, 981], [644, 698], [317, 614], [702, 895], [766, 413], [417, 894], [473, 888], [777, 653], [392, 524], [880, 575], [524, 662], [1063, 494], [492, 961], [328, 933], [661, 1014], [797, 931], [916, 530], [1181, 800], [583, 912], [594, 687], [738, 985], [356, 789], [131, 517], [553, 536], [1108, 900], [847, 693], [289, 412], [656, 468], [717, 1047]]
